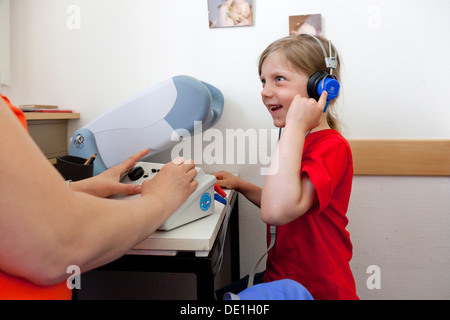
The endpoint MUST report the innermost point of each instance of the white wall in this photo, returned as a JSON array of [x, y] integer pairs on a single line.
[[395, 79], [4, 36]]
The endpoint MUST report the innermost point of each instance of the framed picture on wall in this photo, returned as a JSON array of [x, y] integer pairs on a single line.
[[230, 13], [310, 24]]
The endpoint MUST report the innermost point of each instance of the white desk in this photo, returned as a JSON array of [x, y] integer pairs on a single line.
[[197, 236]]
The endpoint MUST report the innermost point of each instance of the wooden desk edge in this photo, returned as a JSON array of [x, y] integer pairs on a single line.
[[51, 116]]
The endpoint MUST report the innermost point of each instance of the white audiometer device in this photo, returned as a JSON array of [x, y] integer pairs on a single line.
[[198, 205]]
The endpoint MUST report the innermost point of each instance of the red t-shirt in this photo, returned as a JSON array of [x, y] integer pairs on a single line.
[[15, 288], [315, 249]]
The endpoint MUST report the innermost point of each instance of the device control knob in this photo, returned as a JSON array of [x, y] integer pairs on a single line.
[[136, 173], [78, 141]]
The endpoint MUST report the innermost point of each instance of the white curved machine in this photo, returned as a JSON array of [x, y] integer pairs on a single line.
[[150, 119]]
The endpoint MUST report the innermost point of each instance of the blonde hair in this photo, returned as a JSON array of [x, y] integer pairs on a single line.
[[305, 54]]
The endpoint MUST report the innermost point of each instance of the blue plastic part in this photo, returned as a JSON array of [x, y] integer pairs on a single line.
[[331, 86], [83, 146], [326, 106], [192, 92], [216, 105], [219, 198], [285, 289]]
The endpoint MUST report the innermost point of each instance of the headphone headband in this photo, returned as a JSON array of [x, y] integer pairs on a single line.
[[322, 81], [331, 62]]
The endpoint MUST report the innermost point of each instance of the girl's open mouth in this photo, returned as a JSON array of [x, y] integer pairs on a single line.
[[275, 108]]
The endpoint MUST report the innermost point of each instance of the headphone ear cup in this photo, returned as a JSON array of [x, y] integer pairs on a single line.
[[313, 84]]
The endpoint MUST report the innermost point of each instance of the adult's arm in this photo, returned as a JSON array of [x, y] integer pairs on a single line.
[[46, 226]]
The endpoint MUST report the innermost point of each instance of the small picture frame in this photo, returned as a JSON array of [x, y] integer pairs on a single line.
[[310, 24], [230, 13]]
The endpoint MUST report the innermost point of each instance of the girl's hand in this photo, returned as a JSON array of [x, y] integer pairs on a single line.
[[306, 111], [227, 180], [249, 190]]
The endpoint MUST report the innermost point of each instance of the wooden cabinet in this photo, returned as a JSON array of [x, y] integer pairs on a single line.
[[49, 131]]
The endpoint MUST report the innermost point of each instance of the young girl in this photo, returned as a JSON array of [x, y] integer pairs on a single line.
[[307, 191]]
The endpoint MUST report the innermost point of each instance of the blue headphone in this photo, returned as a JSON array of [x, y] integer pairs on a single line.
[[324, 81]]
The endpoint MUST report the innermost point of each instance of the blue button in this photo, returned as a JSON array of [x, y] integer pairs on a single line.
[[205, 201]]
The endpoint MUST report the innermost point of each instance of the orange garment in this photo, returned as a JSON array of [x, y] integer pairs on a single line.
[[14, 288], [19, 114]]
